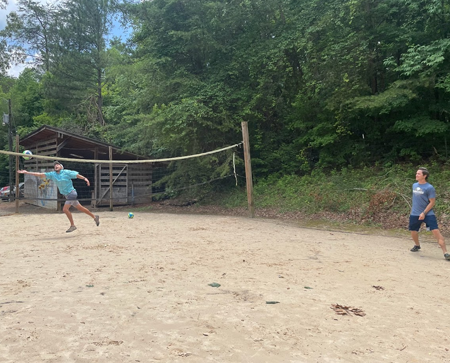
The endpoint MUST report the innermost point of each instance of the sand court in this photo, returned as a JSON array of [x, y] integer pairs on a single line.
[[145, 290]]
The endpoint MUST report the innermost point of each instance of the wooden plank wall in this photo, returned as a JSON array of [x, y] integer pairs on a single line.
[[119, 184], [44, 148], [132, 183], [140, 183]]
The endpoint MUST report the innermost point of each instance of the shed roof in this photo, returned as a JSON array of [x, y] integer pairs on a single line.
[[75, 146]]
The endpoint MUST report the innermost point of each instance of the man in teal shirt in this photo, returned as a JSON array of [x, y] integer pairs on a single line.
[[63, 180]]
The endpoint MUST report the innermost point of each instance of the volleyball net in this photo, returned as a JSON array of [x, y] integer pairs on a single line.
[[128, 182]]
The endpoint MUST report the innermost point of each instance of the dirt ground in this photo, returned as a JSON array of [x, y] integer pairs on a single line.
[[146, 290]]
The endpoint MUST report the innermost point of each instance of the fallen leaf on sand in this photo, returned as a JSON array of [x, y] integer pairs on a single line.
[[347, 310]]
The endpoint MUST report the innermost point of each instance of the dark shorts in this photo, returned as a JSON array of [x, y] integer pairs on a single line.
[[430, 221], [72, 198]]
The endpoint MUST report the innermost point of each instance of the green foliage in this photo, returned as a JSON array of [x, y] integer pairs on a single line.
[[425, 60], [392, 99], [360, 193], [193, 178], [31, 32], [324, 85]]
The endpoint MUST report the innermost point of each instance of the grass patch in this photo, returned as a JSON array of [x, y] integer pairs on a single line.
[[367, 195]]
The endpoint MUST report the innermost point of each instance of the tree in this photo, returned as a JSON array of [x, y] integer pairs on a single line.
[[78, 64], [176, 99], [30, 32], [28, 104]]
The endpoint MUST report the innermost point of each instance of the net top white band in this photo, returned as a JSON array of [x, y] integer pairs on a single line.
[[121, 161]]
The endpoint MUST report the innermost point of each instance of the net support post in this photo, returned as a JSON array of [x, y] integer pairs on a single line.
[[248, 169], [111, 206], [17, 193], [10, 148]]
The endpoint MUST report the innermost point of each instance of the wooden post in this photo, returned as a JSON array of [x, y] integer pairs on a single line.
[[110, 180], [248, 169], [17, 195], [10, 148], [97, 174]]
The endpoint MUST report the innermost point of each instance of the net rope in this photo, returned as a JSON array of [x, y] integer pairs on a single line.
[[188, 173], [123, 161]]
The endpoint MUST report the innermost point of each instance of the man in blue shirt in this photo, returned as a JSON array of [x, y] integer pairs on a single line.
[[423, 201], [63, 180]]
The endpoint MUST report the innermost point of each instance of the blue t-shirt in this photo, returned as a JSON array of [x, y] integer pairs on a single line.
[[421, 198], [63, 180]]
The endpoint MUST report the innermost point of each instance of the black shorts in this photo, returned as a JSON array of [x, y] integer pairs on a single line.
[[415, 223]]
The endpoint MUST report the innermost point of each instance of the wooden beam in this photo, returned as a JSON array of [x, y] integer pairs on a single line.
[[111, 184], [248, 169], [96, 177], [60, 146], [17, 194], [110, 180]]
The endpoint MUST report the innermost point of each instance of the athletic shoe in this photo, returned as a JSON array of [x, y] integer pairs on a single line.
[[415, 248], [97, 220], [71, 229], [447, 256]]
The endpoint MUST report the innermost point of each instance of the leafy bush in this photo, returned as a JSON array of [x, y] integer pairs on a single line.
[[364, 193]]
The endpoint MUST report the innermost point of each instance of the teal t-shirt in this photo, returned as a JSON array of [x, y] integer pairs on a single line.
[[421, 198], [63, 180]]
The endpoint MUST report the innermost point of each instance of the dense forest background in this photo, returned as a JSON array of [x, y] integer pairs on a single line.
[[323, 84]]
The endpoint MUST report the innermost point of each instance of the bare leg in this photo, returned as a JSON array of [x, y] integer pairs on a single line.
[[84, 210], [415, 237], [66, 210], [440, 239]]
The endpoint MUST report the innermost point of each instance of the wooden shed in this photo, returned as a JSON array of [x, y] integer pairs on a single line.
[[131, 183]]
